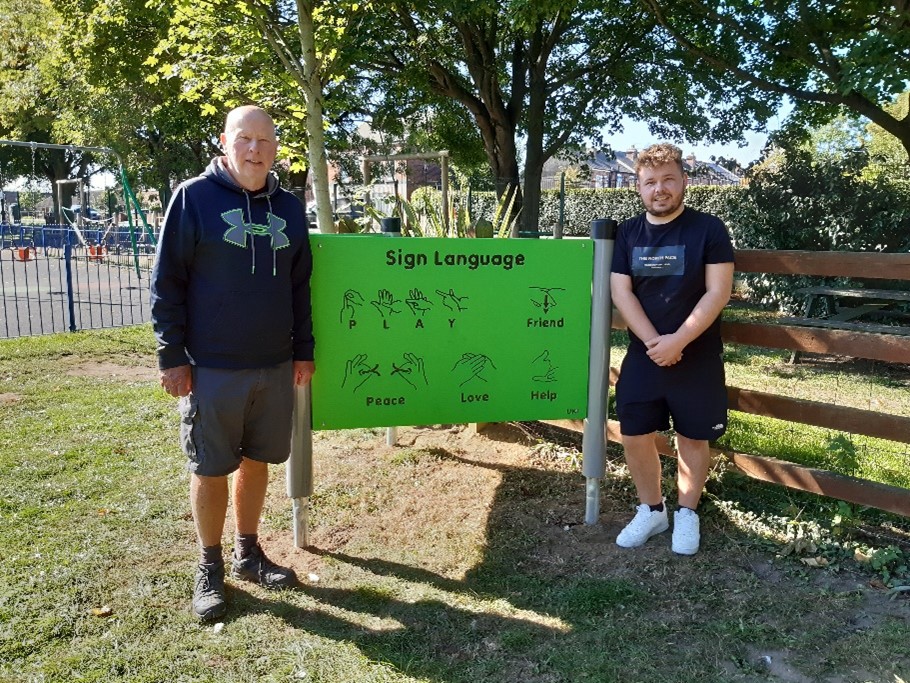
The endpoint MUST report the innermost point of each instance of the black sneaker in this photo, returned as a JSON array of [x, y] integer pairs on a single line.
[[256, 567], [208, 594]]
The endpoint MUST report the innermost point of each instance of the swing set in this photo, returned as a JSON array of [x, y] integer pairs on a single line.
[[77, 221]]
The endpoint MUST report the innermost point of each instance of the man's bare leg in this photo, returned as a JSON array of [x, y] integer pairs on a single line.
[[250, 484], [208, 501], [694, 465], [250, 562], [644, 466]]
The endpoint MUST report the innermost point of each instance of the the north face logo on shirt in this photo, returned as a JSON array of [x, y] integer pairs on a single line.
[[659, 261]]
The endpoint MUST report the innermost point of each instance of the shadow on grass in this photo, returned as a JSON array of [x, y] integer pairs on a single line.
[[552, 600], [521, 614]]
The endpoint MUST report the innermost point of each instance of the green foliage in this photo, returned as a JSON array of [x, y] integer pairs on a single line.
[[584, 205], [890, 562], [887, 156], [823, 56], [425, 209], [42, 91], [551, 75], [800, 200]]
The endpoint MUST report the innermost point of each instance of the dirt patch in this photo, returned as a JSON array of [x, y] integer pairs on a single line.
[[104, 369], [7, 399], [449, 479], [505, 508]]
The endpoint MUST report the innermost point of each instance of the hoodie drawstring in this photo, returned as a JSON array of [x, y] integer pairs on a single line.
[[249, 217], [274, 251]]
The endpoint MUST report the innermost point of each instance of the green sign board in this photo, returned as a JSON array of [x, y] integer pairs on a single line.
[[413, 331]]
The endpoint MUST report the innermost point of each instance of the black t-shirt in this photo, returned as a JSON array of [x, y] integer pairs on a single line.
[[667, 266]]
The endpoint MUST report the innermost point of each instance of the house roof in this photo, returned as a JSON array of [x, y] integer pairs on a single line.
[[623, 162]]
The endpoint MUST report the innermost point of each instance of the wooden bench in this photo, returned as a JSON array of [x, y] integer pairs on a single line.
[[871, 301]]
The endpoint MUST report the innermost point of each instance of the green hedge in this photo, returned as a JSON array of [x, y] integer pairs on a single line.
[[804, 205], [583, 206], [798, 203]]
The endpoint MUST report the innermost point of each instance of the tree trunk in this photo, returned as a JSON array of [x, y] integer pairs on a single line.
[[58, 167], [314, 118], [534, 155]]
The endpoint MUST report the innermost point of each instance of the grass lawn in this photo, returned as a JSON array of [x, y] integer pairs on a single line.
[[449, 557]]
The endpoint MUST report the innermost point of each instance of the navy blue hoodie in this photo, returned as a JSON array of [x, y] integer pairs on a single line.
[[231, 282]]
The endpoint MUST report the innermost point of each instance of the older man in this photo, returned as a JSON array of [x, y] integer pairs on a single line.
[[231, 312], [672, 275]]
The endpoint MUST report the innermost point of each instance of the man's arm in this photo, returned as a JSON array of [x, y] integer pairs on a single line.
[[170, 277], [667, 349], [630, 308]]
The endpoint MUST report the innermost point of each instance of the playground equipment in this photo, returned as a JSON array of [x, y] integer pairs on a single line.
[[23, 253], [129, 198]]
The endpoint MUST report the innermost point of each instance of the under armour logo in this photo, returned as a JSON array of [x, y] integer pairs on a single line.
[[236, 234]]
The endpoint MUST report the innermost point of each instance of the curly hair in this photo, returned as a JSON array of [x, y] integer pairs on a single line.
[[658, 155]]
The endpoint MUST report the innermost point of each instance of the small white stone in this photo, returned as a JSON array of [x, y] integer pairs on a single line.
[[218, 627], [313, 578]]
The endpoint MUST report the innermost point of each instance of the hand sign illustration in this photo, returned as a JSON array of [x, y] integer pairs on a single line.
[[548, 301], [386, 303], [357, 371], [473, 365], [352, 299], [452, 301], [411, 370], [418, 302], [543, 366]]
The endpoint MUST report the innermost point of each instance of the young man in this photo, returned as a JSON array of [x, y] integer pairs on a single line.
[[672, 275], [230, 299]]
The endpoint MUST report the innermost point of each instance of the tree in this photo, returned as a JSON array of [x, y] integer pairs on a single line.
[[38, 85], [551, 74], [162, 137], [316, 61], [887, 158], [826, 56], [290, 57]]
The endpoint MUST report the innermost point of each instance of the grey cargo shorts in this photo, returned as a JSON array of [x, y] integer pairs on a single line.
[[236, 414]]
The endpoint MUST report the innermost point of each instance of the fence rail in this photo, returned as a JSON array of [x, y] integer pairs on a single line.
[[53, 281]]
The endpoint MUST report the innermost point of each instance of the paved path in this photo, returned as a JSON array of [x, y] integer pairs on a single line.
[[33, 293]]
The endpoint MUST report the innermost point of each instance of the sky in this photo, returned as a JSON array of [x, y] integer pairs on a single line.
[[636, 133]]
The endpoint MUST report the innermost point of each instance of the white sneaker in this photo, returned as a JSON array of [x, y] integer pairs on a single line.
[[686, 535], [643, 526]]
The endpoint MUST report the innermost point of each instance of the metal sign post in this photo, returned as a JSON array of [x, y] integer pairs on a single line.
[[391, 227], [594, 440], [300, 465]]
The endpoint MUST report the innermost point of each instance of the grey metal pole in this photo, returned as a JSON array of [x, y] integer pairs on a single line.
[[67, 148], [299, 468], [391, 227], [594, 440], [444, 177]]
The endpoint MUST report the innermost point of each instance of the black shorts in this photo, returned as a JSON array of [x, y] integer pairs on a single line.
[[236, 414], [693, 392]]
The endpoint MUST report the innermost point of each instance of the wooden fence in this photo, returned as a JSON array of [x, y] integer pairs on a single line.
[[892, 348]]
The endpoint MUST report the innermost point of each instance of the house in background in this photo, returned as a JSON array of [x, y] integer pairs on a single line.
[[617, 169]]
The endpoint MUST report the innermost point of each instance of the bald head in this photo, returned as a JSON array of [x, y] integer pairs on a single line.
[[249, 146], [249, 112]]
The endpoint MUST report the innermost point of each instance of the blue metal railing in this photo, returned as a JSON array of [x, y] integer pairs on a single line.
[[50, 281]]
